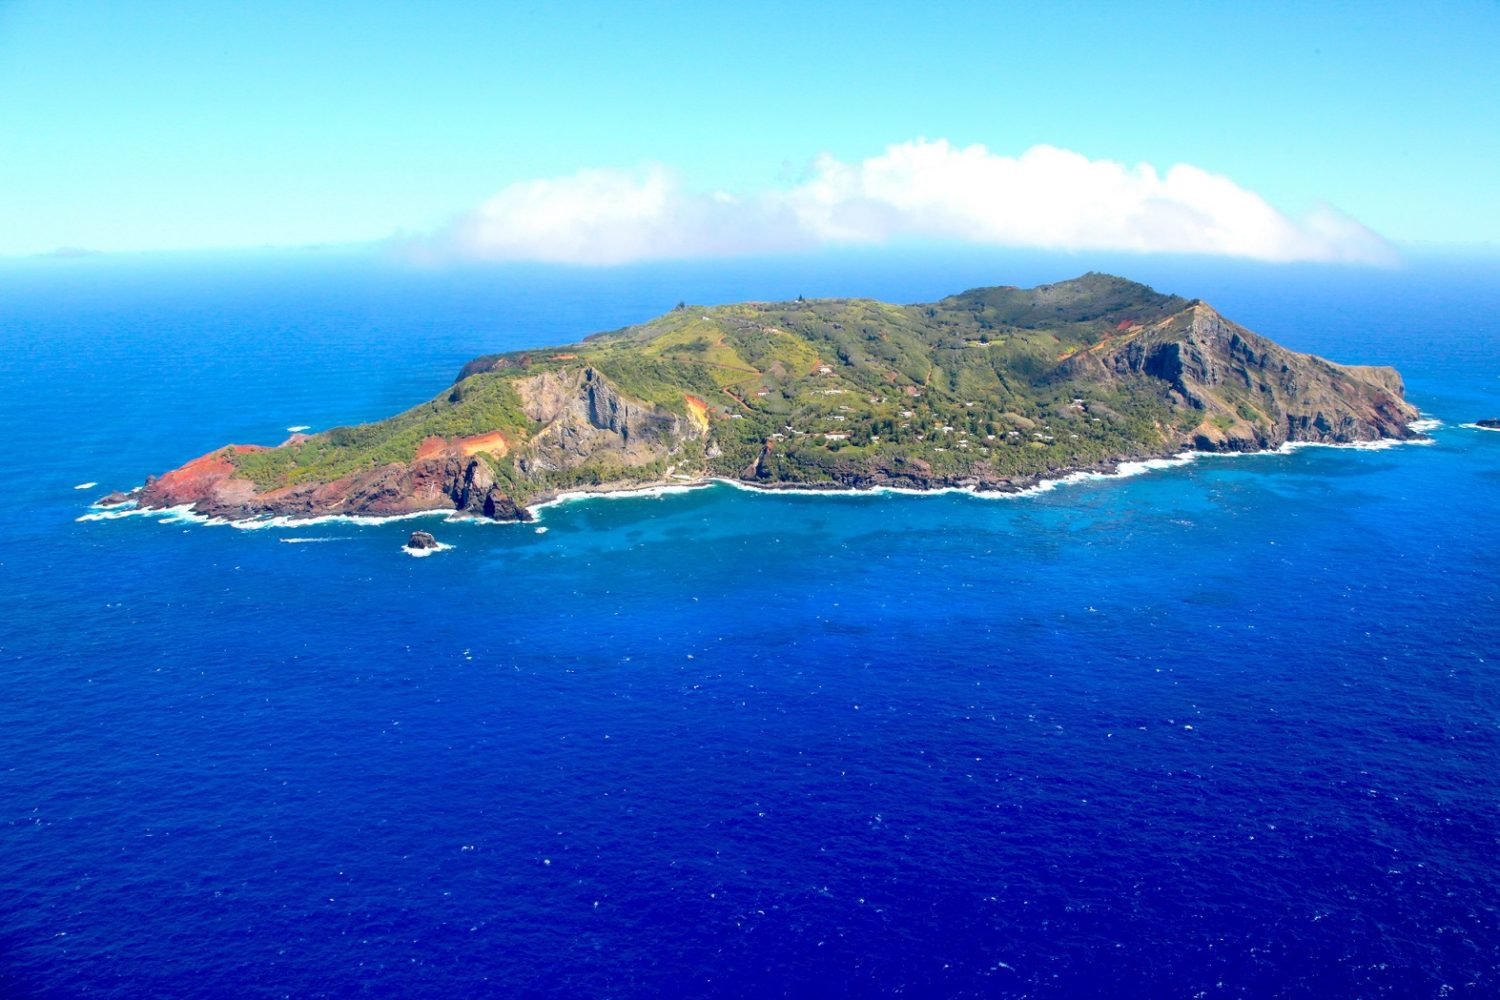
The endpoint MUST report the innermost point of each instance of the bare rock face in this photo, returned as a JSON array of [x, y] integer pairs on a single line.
[[586, 418], [1252, 393], [421, 540], [446, 481], [207, 484]]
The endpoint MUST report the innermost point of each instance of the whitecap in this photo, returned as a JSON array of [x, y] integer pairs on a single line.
[[464, 517], [128, 509], [1121, 471], [299, 428], [637, 493], [1381, 445], [286, 521], [424, 553], [86, 486]]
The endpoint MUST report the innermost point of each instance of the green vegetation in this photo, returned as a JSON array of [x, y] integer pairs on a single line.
[[477, 405], [977, 385]]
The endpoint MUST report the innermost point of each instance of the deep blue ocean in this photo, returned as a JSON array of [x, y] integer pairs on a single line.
[[1230, 729]]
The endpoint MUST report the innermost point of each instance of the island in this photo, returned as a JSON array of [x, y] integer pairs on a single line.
[[993, 389]]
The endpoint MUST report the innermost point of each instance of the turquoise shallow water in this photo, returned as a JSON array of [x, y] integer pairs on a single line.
[[1225, 729]]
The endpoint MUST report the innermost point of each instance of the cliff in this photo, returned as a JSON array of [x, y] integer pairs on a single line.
[[1249, 392], [994, 388]]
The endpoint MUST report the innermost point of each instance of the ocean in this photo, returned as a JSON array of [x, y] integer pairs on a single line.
[[1225, 729]]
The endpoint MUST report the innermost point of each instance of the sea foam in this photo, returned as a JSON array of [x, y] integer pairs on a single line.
[[642, 493], [423, 553]]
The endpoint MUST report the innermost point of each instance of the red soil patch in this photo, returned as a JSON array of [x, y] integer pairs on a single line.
[[493, 443], [697, 411], [431, 447], [200, 477], [204, 468]]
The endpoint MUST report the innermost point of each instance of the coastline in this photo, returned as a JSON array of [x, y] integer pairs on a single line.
[[1013, 490]]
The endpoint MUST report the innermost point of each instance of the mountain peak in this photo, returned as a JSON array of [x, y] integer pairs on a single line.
[[1094, 296]]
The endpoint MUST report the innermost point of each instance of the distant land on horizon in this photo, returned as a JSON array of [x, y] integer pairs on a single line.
[[992, 389]]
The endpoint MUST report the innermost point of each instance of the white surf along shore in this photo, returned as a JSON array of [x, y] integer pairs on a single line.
[[186, 515]]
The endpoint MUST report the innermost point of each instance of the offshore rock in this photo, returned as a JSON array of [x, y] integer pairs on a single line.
[[420, 540]]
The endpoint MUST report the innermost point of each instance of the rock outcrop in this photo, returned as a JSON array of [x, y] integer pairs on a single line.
[[421, 540], [1249, 393], [584, 418]]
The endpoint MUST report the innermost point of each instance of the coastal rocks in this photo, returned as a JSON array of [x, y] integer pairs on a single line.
[[445, 481], [422, 544], [1488, 424], [115, 499], [207, 483]]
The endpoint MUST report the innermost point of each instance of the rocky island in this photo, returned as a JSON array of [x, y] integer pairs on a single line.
[[991, 389]]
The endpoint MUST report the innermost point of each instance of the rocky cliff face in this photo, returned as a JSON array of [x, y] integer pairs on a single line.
[[1249, 392], [446, 481], [584, 420]]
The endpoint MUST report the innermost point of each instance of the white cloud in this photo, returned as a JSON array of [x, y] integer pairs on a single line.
[[1046, 197]]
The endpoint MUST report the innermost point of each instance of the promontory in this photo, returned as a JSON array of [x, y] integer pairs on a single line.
[[991, 389]]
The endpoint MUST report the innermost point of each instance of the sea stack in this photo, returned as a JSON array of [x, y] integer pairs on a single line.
[[421, 541]]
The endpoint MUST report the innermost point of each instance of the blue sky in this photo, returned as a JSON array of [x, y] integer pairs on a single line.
[[160, 125]]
